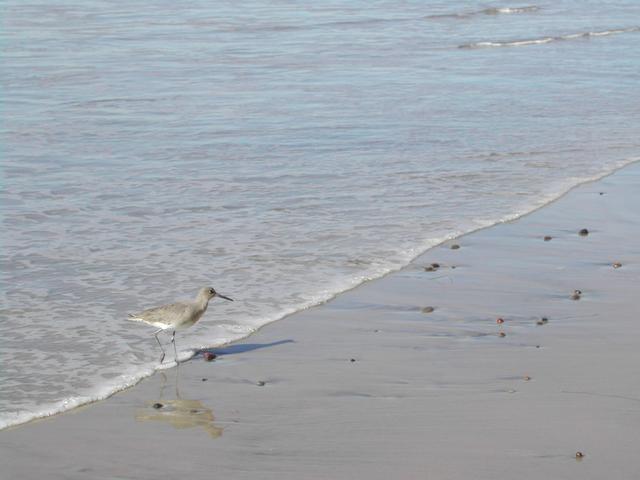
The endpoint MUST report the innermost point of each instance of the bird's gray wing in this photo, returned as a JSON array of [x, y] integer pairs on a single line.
[[164, 316]]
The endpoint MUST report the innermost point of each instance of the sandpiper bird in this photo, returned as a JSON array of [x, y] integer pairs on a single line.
[[177, 316]]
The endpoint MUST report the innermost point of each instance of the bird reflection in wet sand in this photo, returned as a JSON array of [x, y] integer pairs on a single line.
[[179, 413]]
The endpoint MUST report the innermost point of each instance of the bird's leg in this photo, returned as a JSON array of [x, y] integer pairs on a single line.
[[155, 334], [177, 379], [175, 350]]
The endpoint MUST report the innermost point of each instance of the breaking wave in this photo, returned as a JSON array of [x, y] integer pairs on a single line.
[[488, 11], [542, 40]]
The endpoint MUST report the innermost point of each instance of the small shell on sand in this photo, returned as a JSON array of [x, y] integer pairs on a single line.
[[584, 232], [428, 309], [579, 455], [617, 265], [455, 246]]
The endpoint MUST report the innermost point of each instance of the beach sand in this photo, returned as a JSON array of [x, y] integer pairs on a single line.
[[374, 385]]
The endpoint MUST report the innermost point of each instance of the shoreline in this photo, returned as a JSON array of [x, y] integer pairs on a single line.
[[82, 401], [447, 369]]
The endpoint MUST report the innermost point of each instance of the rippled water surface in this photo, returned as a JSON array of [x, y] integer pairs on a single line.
[[279, 151]]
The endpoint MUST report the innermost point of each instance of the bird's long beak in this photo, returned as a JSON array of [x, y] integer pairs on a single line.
[[226, 298]]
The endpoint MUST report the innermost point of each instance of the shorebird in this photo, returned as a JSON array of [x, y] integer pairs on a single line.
[[177, 316]]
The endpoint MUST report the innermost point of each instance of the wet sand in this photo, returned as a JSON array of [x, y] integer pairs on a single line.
[[410, 376]]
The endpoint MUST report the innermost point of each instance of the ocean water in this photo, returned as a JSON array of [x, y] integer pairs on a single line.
[[279, 151]]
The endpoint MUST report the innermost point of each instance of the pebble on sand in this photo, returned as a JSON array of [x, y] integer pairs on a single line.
[[261, 383], [617, 265], [576, 295], [205, 379], [455, 246], [542, 321], [430, 269], [579, 455], [428, 309], [435, 265], [526, 378], [208, 356], [584, 232], [547, 238], [157, 405], [502, 334], [353, 360], [499, 320]]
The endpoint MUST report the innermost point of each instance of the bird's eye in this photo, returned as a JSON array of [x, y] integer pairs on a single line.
[[211, 290]]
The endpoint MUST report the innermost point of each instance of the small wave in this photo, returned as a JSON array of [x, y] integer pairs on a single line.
[[509, 10], [508, 44], [542, 40], [487, 11]]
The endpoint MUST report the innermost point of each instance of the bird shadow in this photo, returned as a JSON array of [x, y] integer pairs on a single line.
[[242, 347]]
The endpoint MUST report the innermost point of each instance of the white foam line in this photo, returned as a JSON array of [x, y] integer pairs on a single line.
[[487, 11], [510, 10], [539, 41]]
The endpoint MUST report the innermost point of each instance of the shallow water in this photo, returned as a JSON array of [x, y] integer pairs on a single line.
[[279, 152]]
